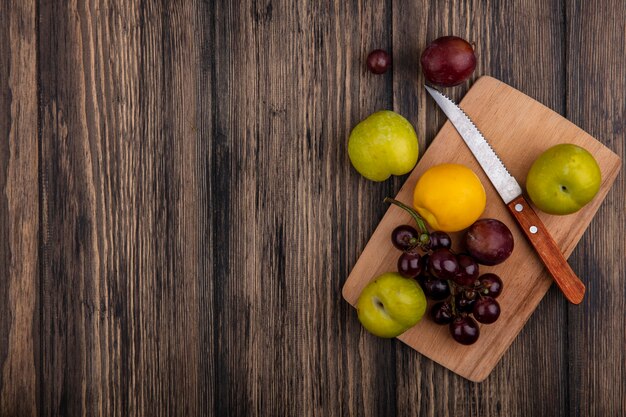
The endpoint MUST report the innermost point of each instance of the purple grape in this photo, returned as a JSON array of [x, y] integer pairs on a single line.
[[440, 239], [409, 265], [492, 284], [435, 288], [441, 313], [486, 310], [489, 241], [443, 264], [464, 330], [378, 61], [404, 237], [468, 271]]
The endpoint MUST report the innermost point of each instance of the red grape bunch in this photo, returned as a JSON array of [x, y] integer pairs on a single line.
[[463, 297]]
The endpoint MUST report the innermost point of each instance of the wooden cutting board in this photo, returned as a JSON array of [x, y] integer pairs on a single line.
[[519, 129]]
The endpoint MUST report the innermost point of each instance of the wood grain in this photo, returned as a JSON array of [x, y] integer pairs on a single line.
[[127, 281], [178, 212], [596, 338], [19, 211]]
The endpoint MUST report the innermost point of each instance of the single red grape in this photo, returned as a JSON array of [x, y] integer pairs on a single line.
[[404, 237], [440, 239], [464, 330], [468, 270], [486, 310], [441, 313], [492, 284], [443, 264], [378, 61], [435, 288], [409, 265]]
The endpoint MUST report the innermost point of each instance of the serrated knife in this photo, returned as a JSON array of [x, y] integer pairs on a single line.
[[511, 193]]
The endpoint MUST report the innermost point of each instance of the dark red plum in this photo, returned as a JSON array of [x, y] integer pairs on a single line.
[[488, 241], [448, 61]]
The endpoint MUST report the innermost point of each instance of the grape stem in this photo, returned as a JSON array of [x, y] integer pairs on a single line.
[[452, 301], [420, 222]]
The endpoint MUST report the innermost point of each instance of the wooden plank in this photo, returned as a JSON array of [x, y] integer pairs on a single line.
[[519, 42], [596, 80], [291, 83], [359, 202], [127, 304], [19, 210]]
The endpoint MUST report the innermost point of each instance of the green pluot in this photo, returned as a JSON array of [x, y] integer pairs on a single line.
[[563, 179], [382, 145], [390, 305]]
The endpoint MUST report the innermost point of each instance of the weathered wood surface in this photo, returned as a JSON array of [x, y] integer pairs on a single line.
[[178, 213]]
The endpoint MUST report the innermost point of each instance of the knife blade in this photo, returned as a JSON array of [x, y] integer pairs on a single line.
[[511, 193]]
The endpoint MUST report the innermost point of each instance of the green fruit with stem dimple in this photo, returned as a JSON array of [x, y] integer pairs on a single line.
[[563, 179], [390, 305], [382, 145]]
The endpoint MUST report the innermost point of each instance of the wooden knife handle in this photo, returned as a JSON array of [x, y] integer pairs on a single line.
[[571, 286]]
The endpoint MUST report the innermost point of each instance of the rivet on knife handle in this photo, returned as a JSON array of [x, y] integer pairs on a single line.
[[571, 286]]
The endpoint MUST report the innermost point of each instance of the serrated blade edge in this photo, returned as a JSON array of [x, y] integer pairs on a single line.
[[505, 184]]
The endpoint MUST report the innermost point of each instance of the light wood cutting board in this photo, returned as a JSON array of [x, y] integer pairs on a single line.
[[519, 129]]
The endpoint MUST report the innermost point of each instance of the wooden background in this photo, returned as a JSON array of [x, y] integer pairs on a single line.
[[178, 213]]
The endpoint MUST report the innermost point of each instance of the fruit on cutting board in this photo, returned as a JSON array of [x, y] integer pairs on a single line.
[[464, 330], [410, 264], [448, 61], [563, 179], [378, 61], [404, 237], [382, 145], [450, 197], [486, 310], [452, 279], [390, 305], [489, 241], [491, 284]]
